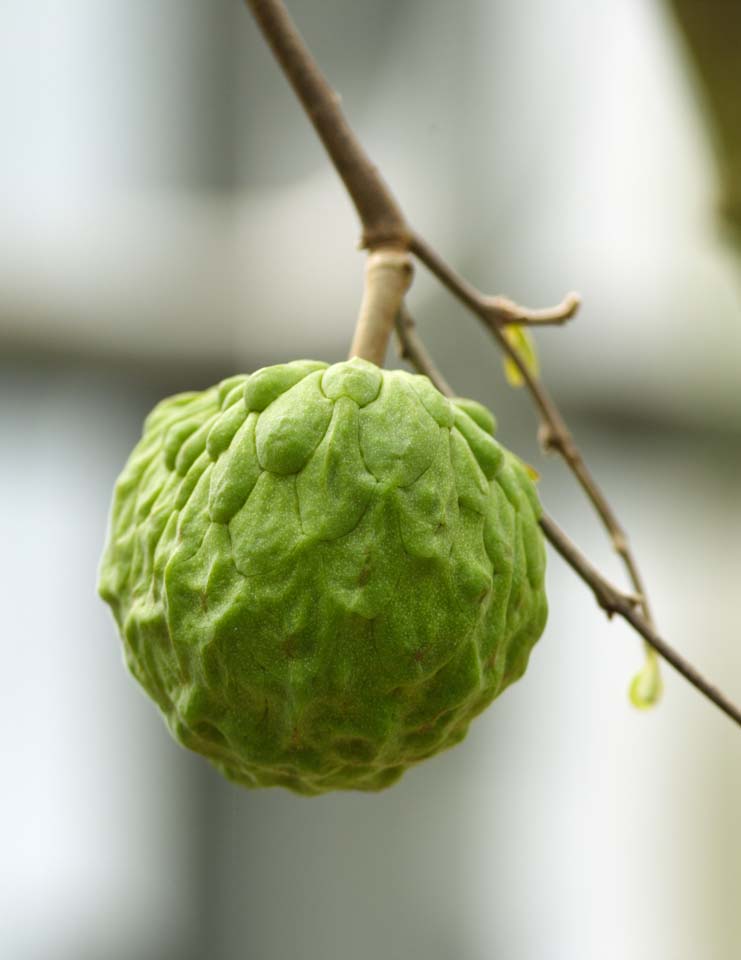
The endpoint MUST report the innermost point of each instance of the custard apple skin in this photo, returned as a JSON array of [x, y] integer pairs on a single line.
[[321, 574]]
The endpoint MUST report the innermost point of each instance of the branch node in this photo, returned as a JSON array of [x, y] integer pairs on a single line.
[[385, 235], [547, 438], [620, 542]]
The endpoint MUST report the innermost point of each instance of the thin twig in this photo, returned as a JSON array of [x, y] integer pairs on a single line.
[[613, 601], [412, 349], [554, 433], [504, 311], [385, 225], [610, 598]]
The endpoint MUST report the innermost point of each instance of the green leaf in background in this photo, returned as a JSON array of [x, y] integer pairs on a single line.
[[646, 687], [520, 339]]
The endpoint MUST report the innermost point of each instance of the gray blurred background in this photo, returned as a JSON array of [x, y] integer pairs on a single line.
[[166, 220]]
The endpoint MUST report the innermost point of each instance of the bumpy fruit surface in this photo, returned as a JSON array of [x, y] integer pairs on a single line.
[[322, 573]]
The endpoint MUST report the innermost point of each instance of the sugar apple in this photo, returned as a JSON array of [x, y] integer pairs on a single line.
[[322, 573]]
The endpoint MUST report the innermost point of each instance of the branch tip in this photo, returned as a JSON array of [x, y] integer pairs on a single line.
[[503, 311]]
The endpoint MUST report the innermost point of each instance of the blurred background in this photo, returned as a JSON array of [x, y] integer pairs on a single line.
[[167, 219]]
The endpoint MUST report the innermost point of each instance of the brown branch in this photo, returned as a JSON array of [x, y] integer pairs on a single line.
[[554, 433], [385, 225], [610, 598], [414, 351], [614, 601], [382, 219], [504, 311]]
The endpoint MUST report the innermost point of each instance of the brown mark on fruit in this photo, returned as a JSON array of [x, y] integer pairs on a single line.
[[291, 648]]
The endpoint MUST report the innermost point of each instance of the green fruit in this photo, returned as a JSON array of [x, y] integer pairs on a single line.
[[322, 573]]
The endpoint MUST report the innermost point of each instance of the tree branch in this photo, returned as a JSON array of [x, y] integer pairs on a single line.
[[382, 219], [504, 311], [554, 433], [414, 351], [614, 601], [385, 225], [610, 598]]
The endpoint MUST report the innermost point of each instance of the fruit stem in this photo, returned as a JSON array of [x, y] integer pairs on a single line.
[[388, 274]]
